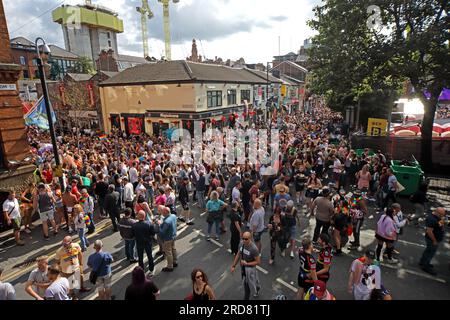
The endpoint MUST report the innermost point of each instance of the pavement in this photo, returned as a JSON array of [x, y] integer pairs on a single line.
[[405, 281]]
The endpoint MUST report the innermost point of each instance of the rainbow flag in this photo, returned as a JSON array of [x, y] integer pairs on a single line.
[[103, 137], [37, 115]]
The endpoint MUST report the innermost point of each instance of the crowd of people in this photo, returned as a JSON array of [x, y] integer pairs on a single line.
[[134, 182]]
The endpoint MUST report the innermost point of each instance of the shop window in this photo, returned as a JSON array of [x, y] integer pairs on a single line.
[[231, 97]]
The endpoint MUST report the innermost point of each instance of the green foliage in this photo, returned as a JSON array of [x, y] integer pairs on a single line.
[[83, 65], [55, 70]]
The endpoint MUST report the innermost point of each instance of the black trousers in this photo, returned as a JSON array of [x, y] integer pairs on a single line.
[[357, 225], [320, 225], [234, 242], [147, 247], [115, 217], [390, 196]]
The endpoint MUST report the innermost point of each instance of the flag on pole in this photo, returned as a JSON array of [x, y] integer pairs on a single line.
[[37, 115]]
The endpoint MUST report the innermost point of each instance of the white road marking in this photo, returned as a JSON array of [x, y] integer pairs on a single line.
[[202, 214], [287, 285], [262, 270]]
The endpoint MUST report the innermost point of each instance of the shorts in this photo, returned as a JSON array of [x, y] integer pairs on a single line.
[[257, 236], [104, 282], [47, 215], [15, 224], [292, 232], [305, 284], [74, 280], [185, 206]]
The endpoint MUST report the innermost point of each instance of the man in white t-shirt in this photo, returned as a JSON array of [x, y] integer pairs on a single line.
[[11, 212], [364, 276], [7, 291], [59, 287]]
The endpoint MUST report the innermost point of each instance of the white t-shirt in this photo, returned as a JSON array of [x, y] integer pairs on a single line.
[[134, 176], [370, 279], [58, 290], [12, 208], [337, 166], [38, 277]]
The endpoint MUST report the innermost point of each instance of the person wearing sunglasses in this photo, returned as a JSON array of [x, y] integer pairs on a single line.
[[249, 257], [201, 290]]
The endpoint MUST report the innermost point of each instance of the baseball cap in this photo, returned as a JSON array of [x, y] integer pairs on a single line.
[[319, 288], [370, 254]]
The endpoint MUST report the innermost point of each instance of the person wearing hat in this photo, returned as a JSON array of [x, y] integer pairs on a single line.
[[323, 209], [319, 292]]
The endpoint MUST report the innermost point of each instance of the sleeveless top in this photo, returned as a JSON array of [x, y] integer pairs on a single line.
[[200, 297], [45, 203]]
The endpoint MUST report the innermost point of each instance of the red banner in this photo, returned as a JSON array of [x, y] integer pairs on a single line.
[[62, 94], [90, 90], [135, 126]]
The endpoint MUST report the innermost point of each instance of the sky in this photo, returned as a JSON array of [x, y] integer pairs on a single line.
[[229, 29]]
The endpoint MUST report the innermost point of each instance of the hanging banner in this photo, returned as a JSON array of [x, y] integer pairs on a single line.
[[90, 89], [37, 116], [376, 127], [62, 94], [134, 126], [283, 90]]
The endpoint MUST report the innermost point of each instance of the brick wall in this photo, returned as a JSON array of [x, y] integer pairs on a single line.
[[29, 56], [5, 52]]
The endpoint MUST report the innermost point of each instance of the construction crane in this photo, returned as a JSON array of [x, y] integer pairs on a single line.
[[165, 4], [146, 13]]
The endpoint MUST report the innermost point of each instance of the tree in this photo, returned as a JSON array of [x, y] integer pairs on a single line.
[[55, 70], [359, 50], [83, 65]]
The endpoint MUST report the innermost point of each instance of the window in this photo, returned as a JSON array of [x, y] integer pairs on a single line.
[[35, 62], [245, 95], [26, 74], [23, 61], [109, 35], [109, 43], [231, 97], [214, 99]]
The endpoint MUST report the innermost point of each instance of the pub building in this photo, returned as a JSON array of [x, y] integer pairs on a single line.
[[16, 170], [174, 94]]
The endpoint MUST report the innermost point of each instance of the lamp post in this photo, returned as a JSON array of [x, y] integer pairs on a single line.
[[46, 50], [266, 116]]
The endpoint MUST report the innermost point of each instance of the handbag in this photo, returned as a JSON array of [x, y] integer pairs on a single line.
[[94, 273], [400, 187], [212, 215]]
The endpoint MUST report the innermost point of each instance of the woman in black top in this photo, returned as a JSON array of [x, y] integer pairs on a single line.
[[278, 230], [201, 291], [235, 227], [141, 288]]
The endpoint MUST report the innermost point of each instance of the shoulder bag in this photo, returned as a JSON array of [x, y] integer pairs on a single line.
[[94, 273]]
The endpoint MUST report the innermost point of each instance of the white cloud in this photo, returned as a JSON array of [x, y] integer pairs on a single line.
[[227, 28]]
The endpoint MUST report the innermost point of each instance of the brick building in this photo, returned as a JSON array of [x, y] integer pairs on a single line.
[[14, 148]]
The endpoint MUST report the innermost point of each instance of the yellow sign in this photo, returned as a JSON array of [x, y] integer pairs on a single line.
[[376, 127], [283, 90]]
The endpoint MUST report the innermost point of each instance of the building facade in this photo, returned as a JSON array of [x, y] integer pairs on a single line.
[[155, 97]]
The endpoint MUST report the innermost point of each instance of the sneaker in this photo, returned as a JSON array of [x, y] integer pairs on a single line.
[[283, 254], [216, 238], [133, 261], [70, 230], [429, 271], [256, 295], [208, 238], [292, 255], [20, 243], [150, 274], [167, 269], [190, 223], [27, 230], [159, 253], [181, 219], [175, 265], [46, 238]]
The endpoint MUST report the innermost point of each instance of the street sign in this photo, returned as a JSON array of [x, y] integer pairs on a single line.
[[376, 127], [7, 87]]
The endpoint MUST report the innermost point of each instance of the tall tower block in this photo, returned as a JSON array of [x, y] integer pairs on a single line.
[[88, 29]]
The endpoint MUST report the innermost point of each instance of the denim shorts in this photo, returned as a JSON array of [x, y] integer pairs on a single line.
[[257, 236]]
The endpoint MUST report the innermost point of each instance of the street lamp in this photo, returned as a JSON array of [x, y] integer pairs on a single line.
[[46, 50]]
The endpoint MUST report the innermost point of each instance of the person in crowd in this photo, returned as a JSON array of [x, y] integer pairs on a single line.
[[307, 271], [365, 275], [291, 219], [81, 220], [59, 288], [87, 202], [201, 290], [111, 205], [128, 195], [277, 227], [257, 223], [11, 213], [168, 234], [200, 188], [249, 257], [324, 258], [44, 204], [7, 291], [434, 234], [341, 221], [26, 206], [101, 190], [358, 210], [142, 288], [323, 210], [144, 232], [236, 227], [386, 234], [214, 209], [142, 205], [126, 232], [183, 196], [319, 292], [400, 221], [313, 186], [69, 201], [100, 263], [38, 280], [390, 189]]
